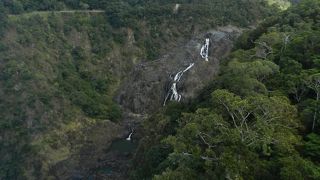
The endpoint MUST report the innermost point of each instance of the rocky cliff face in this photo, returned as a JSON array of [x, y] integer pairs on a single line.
[[144, 90], [146, 87], [89, 151], [71, 145]]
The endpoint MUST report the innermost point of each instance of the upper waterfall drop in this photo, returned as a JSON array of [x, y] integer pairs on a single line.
[[204, 52]]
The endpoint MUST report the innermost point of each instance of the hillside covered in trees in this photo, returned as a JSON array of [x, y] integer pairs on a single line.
[[21, 6], [62, 63], [258, 120]]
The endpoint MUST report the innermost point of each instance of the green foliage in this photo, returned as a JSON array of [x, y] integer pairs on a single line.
[[247, 77], [218, 146], [61, 69], [3, 19], [151, 160], [249, 128], [213, 13], [50, 79], [312, 146], [179, 174], [157, 16]]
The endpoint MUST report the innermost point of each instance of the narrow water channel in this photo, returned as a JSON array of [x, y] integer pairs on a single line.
[[117, 160]]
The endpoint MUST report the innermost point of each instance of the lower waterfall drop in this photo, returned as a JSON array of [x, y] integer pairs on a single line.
[[175, 96]]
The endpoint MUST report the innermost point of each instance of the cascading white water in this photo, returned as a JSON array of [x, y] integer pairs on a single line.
[[204, 52], [175, 96], [129, 137]]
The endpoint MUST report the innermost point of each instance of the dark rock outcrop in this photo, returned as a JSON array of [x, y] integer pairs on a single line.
[[144, 90]]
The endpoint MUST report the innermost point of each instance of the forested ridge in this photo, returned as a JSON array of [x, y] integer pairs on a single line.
[[60, 72], [21, 6]]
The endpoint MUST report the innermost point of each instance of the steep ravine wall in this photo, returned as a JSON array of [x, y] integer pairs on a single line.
[[73, 145], [145, 88]]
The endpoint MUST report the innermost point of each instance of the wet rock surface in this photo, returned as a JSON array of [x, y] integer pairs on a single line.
[[146, 87], [103, 152]]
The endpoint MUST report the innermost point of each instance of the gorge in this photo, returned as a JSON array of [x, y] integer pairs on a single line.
[[134, 89]]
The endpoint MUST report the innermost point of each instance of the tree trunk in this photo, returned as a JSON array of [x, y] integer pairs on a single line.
[[315, 112]]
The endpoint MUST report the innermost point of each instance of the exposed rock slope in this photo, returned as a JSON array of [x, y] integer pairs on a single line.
[[146, 87]]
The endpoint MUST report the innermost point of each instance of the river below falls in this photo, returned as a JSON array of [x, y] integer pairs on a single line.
[[117, 162], [123, 146]]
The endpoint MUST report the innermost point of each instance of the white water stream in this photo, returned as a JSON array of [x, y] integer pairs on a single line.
[[129, 137], [175, 96], [173, 92], [204, 52]]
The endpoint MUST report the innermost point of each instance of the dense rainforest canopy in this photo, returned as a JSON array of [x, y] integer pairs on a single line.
[[258, 120], [60, 70]]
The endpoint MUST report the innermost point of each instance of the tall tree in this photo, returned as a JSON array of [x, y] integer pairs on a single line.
[[314, 84]]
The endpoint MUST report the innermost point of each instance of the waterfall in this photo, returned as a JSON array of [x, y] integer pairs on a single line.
[[175, 96], [204, 52], [129, 137]]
